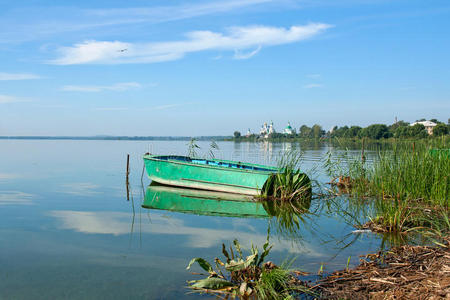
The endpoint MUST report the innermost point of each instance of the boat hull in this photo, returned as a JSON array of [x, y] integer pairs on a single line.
[[202, 202], [213, 175]]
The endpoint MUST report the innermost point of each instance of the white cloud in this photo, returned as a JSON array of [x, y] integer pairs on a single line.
[[18, 76], [11, 99], [235, 39], [312, 86], [118, 87]]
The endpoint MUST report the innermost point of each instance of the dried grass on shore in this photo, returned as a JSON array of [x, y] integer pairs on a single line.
[[406, 272]]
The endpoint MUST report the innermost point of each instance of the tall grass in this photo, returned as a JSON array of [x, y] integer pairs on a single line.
[[401, 174], [409, 184]]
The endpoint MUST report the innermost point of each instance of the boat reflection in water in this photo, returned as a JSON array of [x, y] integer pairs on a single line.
[[201, 202]]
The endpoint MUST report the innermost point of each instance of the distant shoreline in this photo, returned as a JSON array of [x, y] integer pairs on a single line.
[[118, 138]]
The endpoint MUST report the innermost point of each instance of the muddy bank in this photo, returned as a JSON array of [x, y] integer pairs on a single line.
[[406, 272]]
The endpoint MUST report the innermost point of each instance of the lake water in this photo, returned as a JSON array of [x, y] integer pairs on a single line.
[[67, 230]]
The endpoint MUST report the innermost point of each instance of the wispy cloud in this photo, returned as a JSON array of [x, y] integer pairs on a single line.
[[12, 99], [312, 85], [235, 39], [240, 55], [18, 29], [167, 106], [18, 76], [313, 76], [169, 13], [110, 108], [118, 87]]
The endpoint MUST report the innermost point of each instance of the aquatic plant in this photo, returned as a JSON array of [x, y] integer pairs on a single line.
[[192, 146], [246, 277], [213, 147], [408, 185], [289, 183]]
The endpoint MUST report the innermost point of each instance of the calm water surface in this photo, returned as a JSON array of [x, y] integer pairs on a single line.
[[67, 230]]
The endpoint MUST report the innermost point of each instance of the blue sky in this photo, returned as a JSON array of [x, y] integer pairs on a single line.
[[212, 67]]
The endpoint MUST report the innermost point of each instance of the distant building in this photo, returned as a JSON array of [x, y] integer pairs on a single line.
[[428, 125], [249, 133], [288, 129], [266, 130]]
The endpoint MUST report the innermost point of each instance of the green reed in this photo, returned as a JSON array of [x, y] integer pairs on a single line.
[[410, 185], [289, 183]]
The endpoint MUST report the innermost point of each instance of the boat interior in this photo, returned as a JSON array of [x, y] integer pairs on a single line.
[[215, 163]]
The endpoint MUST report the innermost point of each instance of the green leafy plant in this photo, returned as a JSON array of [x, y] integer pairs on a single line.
[[245, 276], [289, 183]]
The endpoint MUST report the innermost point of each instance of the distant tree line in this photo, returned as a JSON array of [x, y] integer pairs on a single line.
[[400, 129]]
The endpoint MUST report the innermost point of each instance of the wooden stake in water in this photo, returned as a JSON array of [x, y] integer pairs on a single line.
[[363, 158], [127, 181]]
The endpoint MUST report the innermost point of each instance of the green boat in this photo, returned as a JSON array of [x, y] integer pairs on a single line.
[[208, 174], [202, 202]]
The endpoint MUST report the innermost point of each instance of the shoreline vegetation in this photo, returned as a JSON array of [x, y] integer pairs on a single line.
[[400, 130], [403, 192]]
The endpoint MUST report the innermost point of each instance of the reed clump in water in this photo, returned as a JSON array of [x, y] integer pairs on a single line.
[[410, 186], [289, 183]]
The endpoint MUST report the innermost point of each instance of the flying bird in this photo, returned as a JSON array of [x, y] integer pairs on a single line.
[[122, 50]]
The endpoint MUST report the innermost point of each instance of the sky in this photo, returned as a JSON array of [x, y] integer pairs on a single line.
[[191, 68]]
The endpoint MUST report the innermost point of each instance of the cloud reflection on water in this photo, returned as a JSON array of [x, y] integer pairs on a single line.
[[81, 189], [15, 198], [8, 176], [118, 223]]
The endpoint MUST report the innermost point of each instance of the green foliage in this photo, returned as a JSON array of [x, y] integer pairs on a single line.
[[237, 134], [274, 284], [410, 185], [305, 131], [246, 276], [353, 132], [212, 283], [418, 130], [289, 183], [317, 131], [202, 263], [375, 131], [440, 130]]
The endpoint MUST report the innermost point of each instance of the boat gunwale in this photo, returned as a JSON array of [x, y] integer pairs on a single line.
[[270, 170]]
